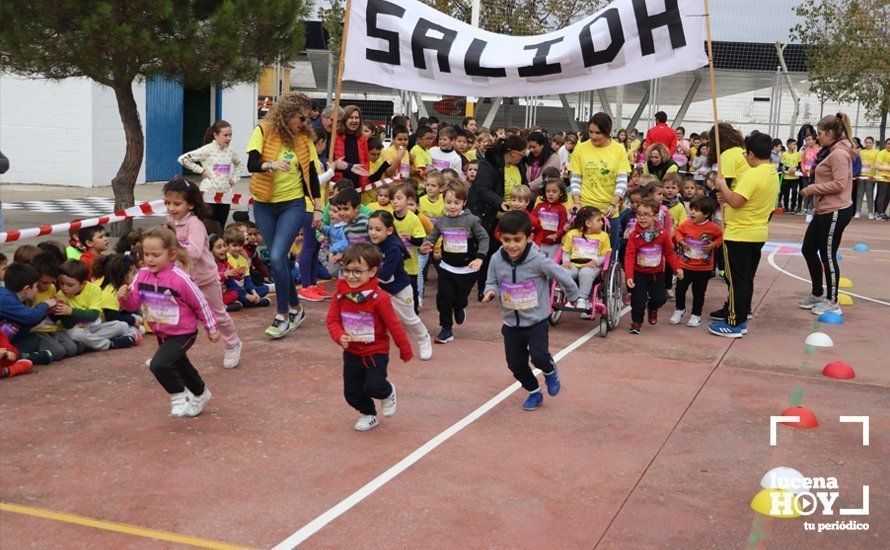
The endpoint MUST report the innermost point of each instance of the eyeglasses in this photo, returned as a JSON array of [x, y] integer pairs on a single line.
[[644, 216], [354, 273]]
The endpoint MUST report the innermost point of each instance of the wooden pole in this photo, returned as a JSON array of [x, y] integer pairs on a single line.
[[713, 86], [335, 114]]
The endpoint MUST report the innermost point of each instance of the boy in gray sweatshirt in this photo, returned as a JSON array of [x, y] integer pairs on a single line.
[[519, 274], [464, 247]]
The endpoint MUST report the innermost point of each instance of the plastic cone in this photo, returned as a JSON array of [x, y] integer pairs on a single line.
[[860, 247], [831, 318], [780, 479], [807, 418], [844, 282], [838, 369], [763, 501], [845, 299], [819, 340]]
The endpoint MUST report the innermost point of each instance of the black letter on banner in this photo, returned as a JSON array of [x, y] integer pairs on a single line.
[[539, 66], [375, 8], [472, 60], [647, 23], [616, 33], [421, 41]]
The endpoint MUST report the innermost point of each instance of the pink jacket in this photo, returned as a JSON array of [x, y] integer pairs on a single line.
[[192, 235], [832, 185], [171, 302]]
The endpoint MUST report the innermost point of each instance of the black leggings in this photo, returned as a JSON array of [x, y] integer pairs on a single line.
[[820, 244], [171, 365], [698, 280]]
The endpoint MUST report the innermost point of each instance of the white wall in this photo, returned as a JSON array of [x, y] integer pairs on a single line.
[[109, 141], [239, 107]]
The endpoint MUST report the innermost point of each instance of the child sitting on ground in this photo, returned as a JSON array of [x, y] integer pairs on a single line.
[[585, 249], [249, 294], [117, 270], [648, 248], [229, 288], [384, 196], [10, 362], [520, 275], [359, 320], [80, 312], [48, 334], [696, 239], [17, 318], [95, 243], [259, 271]]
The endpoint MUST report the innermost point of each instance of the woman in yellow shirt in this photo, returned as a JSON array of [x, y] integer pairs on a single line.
[[732, 155], [882, 179], [869, 157], [283, 159]]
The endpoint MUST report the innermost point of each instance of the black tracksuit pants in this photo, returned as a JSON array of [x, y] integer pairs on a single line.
[[741, 259], [522, 343], [452, 296], [171, 365], [698, 280], [364, 380], [648, 293]]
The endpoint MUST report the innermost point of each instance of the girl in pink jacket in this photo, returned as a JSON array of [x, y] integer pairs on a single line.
[[172, 305], [186, 208]]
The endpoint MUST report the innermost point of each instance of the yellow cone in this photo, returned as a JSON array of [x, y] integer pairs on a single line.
[[845, 300], [763, 501], [845, 283]]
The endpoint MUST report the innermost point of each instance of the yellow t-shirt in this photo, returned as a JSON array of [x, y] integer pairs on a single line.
[[432, 210], [404, 164], [109, 296], [733, 163], [869, 159], [411, 226], [678, 215], [237, 263], [472, 154], [47, 325], [512, 180], [791, 162], [422, 158], [750, 223], [286, 185], [89, 298], [579, 251], [599, 167], [375, 206], [882, 166]]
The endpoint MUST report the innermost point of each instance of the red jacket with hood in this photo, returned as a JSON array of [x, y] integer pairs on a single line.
[[354, 311]]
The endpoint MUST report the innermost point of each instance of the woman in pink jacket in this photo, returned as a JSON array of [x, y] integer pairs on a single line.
[[833, 209], [185, 209], [172, 305]]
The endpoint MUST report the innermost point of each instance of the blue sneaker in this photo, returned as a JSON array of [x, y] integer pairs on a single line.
[[722, 328], [445, 335], [552, 380], [744, 327], [534, 401]]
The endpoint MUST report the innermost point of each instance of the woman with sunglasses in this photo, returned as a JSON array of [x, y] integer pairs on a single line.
[[283, 160]]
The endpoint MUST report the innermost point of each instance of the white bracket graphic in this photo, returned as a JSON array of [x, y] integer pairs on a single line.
[[775, 420], [861, 420]]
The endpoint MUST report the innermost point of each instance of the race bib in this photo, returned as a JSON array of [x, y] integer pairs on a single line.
[[440, 164], [519, 296], [222, 171], [631, 225], [405, 170], [160, 308], [455, 241], [358, 239], [584, 248], [549, 220], [696, 250], [433, 220], [9, 329], [649, 255], [408, 246], [359, 326]]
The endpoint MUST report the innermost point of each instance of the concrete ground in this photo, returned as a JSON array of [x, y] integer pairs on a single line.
[[656, 441]]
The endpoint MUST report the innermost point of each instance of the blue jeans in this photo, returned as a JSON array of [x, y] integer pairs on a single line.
[[279, 223], [309, 255]]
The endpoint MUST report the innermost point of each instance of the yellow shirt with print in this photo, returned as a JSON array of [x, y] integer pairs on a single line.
[[599, 167], [791, 162], [47, 325], [432, 210], [569, 247], [238, 263], [733, 163], [869, 159], [375, 206], [410, 225], [760, 186], [422, 158], [286, 185], [882, 166], [512, 180], [88, 298], [369, 197], [403, 165]]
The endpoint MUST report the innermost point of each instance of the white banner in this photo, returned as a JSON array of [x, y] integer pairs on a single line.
[[408, 45]]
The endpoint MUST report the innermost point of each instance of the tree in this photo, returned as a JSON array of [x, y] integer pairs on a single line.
[[846, 51], [119, 42]]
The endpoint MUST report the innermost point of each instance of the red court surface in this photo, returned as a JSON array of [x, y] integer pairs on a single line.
[[656, 441]]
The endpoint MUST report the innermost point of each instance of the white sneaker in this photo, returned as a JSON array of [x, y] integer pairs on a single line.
[[197, 403], [270, 287], [366, 422], [231, 357], [857, 215], [425, 346], [871, 216], [827, 307], [148, 362], [694, 321], [388, 405], [677, 316], [582, 304], [179, 402]]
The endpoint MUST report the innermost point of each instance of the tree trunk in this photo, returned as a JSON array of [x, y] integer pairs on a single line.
[[883, 125], [124, 182]]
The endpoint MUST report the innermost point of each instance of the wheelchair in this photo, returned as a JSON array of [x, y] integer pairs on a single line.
[[606, 299]]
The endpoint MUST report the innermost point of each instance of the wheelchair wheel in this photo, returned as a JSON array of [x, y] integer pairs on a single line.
[[558, 301], [614, 296], [604, 326]]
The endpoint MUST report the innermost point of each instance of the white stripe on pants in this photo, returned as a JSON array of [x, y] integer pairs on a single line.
[[212, 291], [585, 276], [98, 337], [403, 303]]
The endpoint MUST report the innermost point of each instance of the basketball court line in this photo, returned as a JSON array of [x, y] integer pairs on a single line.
[[116, 527], [772, 261], [369, 488]]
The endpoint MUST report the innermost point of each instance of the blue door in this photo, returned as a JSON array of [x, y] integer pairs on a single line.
[[163, 129]]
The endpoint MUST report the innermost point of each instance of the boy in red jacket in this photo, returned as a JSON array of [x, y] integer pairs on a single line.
[[696, 238], [10, 364], [648, 248], [359, 319]]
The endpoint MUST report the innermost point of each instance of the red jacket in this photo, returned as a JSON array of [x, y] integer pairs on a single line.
[[695, 235], [552, 209], [640, 253], [4, 343], [356, 318], [662, 133]]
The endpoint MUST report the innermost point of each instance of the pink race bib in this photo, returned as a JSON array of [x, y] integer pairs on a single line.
[[549, 220], [359, 326], [649, 255]]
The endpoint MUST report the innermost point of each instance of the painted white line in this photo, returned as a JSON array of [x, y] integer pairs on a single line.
[[344, 505], [772, 262]]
